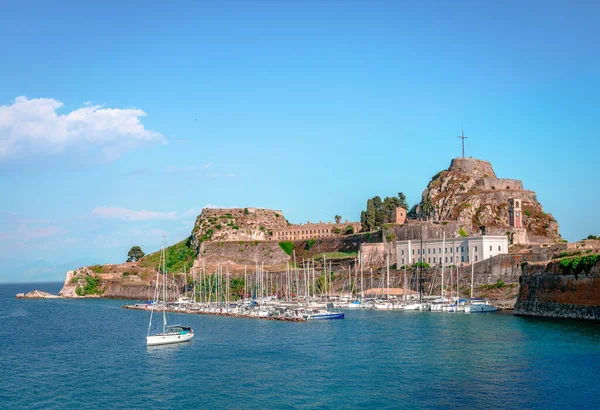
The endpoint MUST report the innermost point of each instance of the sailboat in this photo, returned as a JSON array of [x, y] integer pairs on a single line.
[[170, 333]]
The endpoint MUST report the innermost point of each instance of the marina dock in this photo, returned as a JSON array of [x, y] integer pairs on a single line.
[[222, 313]]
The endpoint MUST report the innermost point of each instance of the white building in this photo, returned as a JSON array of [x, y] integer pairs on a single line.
[[454, 251]]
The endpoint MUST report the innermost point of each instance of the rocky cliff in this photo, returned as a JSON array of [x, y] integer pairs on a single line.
[[470, 193], [236, 224], [123, 281]]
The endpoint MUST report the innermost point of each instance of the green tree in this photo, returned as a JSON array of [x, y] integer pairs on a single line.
[[402, 200], [236, 287], [338, 219], [370, 217], [363, 220], [389, 207], [349, 230], [379, 211], [135, 253]]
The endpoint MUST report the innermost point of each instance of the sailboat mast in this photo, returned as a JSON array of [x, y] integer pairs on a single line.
[[472, 272], [362, 289], [405, 285], [387, 267], [164, 287], [443, 263]]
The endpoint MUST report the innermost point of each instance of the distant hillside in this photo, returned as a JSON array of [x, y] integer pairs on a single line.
[[178, 256]]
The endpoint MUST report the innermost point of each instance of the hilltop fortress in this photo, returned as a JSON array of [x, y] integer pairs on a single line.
[[470, 193]]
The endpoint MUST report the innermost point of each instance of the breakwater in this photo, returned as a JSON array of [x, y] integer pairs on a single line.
[[221, 313]]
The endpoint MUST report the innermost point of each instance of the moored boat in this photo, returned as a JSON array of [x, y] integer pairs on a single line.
[[478, 305], [172, 334]]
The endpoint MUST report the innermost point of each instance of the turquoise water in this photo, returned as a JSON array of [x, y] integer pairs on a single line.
[[92, 354]]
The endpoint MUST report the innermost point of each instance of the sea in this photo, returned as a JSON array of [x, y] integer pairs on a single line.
[[91, 353]]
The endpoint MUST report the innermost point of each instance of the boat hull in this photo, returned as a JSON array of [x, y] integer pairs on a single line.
[[325, 316], [167, 339], [480, 309]]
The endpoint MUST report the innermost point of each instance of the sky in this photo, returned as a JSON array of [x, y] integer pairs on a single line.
[[121, 120]]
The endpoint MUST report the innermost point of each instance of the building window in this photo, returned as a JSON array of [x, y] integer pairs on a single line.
[[428, 251], [440, 250], [429, 260], [475, 258], [476, 249], [457, 249], [446, 260], [490, 248], [498, 248], [403, 261], [451, 259], [462, 258], [462, 248], [402, 251], [413, 251], [434, 259]]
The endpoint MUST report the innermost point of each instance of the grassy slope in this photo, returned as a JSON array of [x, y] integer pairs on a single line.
[[178, 255]]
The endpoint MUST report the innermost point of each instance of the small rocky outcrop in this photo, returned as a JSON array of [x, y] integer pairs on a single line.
[[470, 193], [37, 294]]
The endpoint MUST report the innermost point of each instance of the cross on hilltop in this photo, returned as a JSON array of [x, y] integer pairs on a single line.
[[462, 137]]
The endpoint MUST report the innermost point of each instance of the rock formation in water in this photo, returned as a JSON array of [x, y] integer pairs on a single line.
[[470, 193], [36, 294]]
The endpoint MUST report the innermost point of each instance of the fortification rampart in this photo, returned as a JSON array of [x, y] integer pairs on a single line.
[[560, 296], [473, 167], [499, 183], [240, 212]]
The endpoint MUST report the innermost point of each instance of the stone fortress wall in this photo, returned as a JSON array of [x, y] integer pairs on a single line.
[[500, 184], [217, 212], [472, 166]]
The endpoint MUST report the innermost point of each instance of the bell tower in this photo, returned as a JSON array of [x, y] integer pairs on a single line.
[[515, 214]]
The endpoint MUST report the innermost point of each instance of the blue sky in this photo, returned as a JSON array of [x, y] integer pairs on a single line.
[[119, 121]]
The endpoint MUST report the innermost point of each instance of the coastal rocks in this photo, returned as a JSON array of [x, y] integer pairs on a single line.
[[470, 193], [37, 294]]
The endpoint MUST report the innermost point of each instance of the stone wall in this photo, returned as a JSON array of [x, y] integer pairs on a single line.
[[500, 184], [241, 253], [472, 166], [374, 254], [560, 296], [416, 230]]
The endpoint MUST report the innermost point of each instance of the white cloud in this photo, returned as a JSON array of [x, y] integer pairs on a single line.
[[130, 215], [207, 165], [31, 127]]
